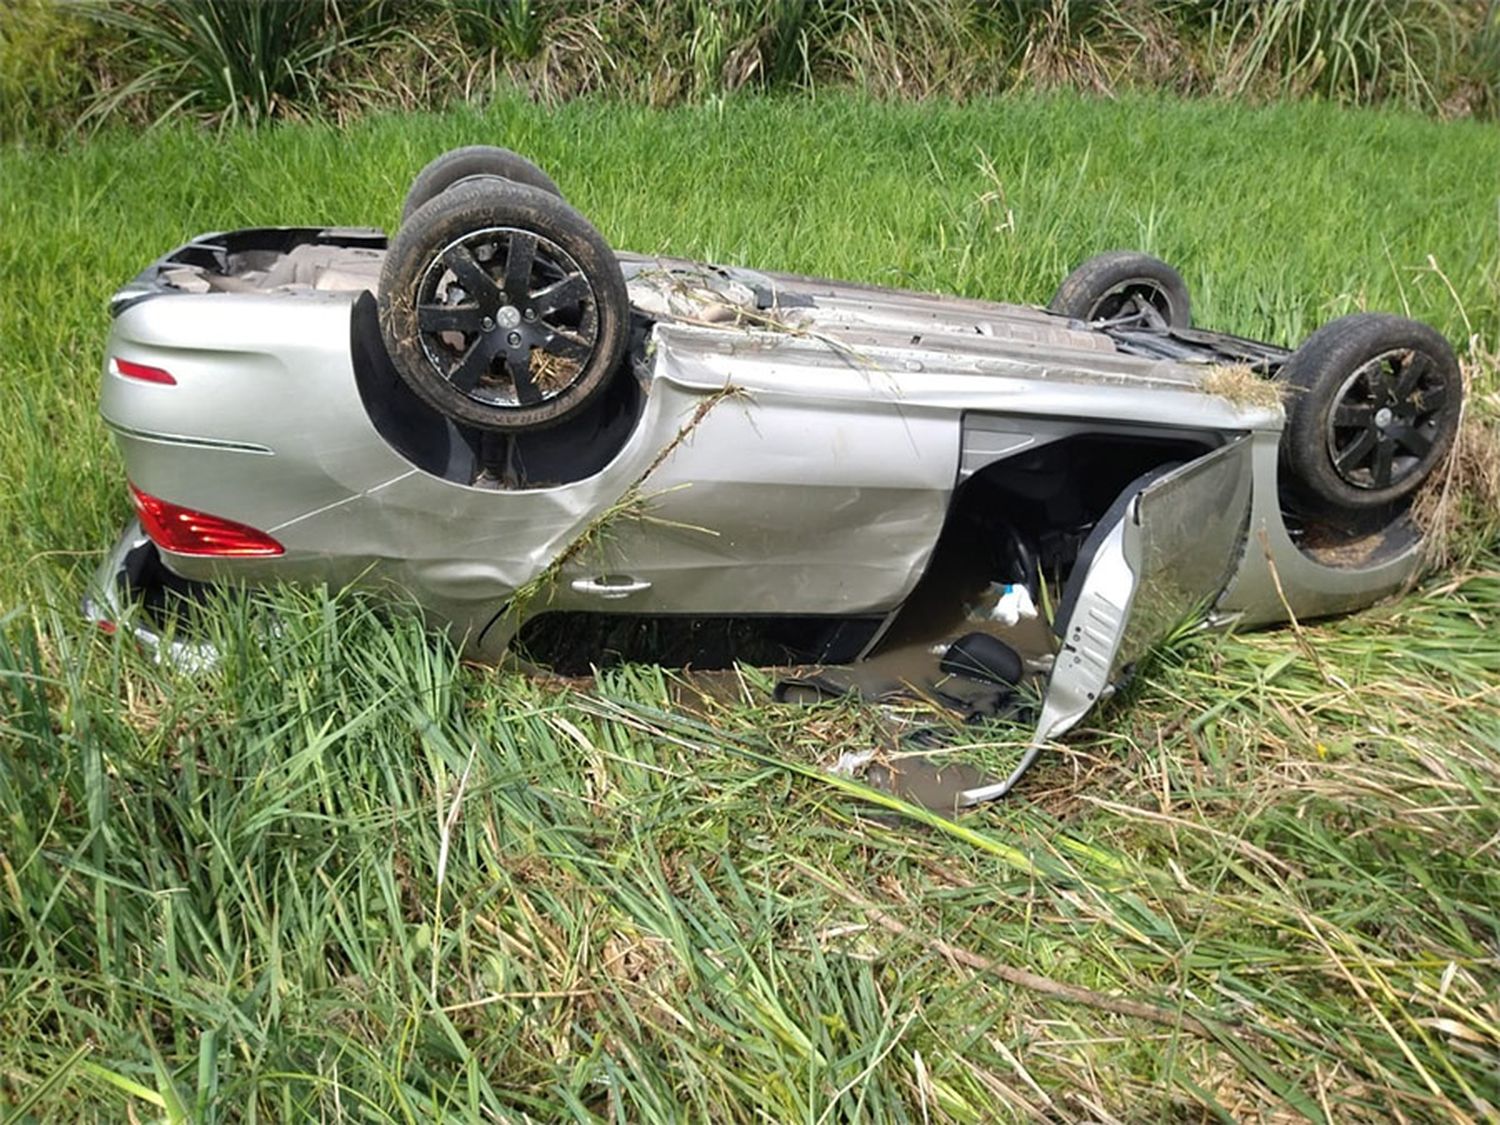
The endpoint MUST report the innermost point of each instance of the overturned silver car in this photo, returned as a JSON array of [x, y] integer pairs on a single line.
[[529, 433]]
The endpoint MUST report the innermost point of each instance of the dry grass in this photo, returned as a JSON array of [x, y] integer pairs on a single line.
[[1458, 507], [1238, 383], [551, 373]]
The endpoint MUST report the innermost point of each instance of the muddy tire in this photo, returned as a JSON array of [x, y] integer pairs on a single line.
[[502, 307], [1373, 404], [1127, 288], [462, 165]]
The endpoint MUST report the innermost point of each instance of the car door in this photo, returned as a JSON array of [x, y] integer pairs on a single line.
[[793, 485], [1164, 558]]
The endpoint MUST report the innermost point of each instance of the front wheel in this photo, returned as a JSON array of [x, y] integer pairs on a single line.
[[1125, 289], [1373, 406]]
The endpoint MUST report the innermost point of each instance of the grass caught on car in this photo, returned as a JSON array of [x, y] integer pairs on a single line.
[[345, 874]]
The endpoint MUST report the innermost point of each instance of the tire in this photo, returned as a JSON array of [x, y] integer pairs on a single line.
[[1125, 287], [1373, 404], [502, 352], [462, 165]]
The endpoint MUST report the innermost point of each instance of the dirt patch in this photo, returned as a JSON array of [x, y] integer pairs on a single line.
[[1333, 547]]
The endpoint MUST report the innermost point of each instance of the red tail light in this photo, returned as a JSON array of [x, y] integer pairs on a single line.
[[143, 372], [186, 532]]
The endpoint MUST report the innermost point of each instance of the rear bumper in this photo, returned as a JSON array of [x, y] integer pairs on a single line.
[[133, 592]]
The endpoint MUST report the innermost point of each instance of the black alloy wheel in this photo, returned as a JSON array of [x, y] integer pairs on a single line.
[[1124, 289], [1373, 405], [502, 307], [507, 317], [1385, 417]]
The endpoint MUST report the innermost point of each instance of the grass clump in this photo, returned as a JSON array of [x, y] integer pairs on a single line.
[[232, 60], [47, 62], [1363, 50], [1465, 493], [343, 871], [346, 875], [227, 61]]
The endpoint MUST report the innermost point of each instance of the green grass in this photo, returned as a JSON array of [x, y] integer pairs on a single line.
[[345, 875]]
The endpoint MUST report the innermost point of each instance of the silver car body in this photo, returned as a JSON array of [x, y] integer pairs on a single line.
[[795, 459]]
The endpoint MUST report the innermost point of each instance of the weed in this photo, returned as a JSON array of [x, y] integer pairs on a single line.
[[248, 60], [229, 60]]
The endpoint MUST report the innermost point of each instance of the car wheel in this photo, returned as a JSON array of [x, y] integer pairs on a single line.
[[502, 307], [463, 165], [1125, 288], [1373, 404]]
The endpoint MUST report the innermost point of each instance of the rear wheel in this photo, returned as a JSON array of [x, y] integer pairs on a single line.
[[463, 165], [1373, 406], [1127, 289], [502, 307]]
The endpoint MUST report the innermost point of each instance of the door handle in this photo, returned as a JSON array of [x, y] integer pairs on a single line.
[[610, 586]]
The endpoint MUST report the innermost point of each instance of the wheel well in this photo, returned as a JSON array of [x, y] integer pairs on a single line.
[[569, 451]]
